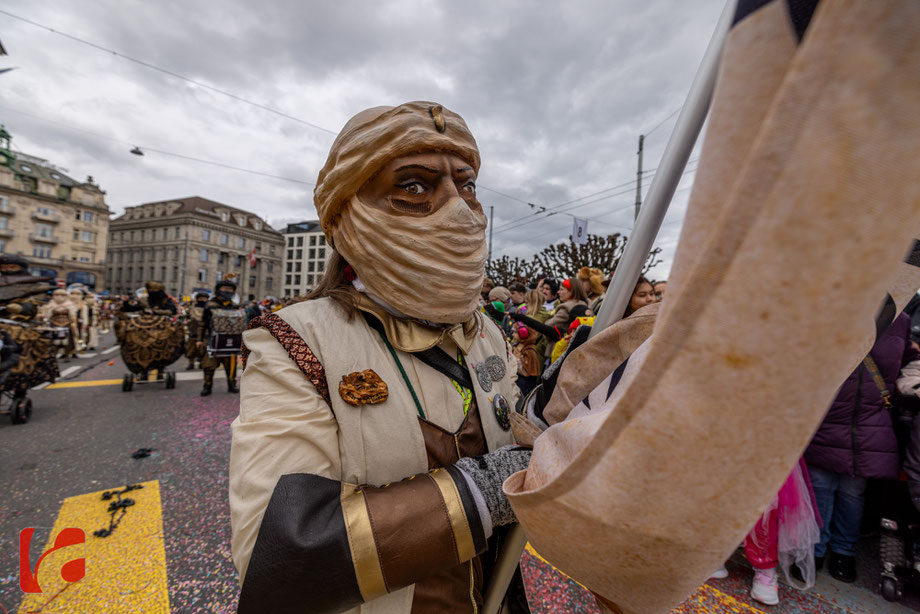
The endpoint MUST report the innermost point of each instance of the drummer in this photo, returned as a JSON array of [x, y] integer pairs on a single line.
[[223, 298]]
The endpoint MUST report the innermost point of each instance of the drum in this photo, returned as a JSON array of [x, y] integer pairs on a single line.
[[227, 326], [37, 355], [150, 342]]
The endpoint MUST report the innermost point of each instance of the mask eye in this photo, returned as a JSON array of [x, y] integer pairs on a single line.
[[415, 188], [470, 187]]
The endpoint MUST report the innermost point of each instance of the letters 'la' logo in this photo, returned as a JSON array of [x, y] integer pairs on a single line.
[[71, 571]]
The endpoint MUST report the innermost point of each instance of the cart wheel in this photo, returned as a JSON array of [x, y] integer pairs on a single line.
[[170, 380], [22, 411], [128, 383], [890, 589]]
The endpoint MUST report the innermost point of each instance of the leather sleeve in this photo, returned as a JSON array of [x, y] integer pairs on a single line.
[[326, 546]]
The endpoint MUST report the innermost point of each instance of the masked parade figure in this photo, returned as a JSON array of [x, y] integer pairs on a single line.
[[92, 321], [374, 429], [77, 298], [195, 314], [33, 344], [150, 335], [61, 314], [222, 324]]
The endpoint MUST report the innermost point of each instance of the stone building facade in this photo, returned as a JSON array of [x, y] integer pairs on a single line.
[[305, 257], [57, 223], [190, 243]]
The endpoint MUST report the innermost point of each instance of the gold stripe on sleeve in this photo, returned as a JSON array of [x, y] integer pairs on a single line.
[[364, 554], [463, 536]]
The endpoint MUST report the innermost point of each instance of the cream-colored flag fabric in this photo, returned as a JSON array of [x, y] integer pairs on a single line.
[[805, 206]]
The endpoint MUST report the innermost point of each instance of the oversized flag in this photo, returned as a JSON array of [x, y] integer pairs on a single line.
[[800, 224], [579, 231], [252, 258]]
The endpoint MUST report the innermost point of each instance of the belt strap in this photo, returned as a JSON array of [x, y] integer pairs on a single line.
[[879, 381]]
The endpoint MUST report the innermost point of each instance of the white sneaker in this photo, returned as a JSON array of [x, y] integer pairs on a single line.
[[720, 574], [764, 587]]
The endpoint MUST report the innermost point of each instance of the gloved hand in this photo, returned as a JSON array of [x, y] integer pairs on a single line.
[[487, 473], [516, 316], [492, 311]]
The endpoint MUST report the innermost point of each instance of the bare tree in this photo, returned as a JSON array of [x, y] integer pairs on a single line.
[[604, 253], [506, 271]]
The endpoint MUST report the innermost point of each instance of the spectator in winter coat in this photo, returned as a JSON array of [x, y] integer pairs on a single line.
[[856, 442]]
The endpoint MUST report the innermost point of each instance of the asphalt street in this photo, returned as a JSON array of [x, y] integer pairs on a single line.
[[168, 550]]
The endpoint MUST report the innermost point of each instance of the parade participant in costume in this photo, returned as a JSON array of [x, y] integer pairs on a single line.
[[222, 298], [158, 302], [92, 327], [77, 298], [592, 282], [352, 485], [62, 314], [193, 349], [150, 336]]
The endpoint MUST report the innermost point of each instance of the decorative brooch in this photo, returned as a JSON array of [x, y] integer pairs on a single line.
[[363, 388], [502, 411], [492, 369]]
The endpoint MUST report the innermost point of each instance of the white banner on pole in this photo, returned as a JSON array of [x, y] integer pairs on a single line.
[[579, 231]]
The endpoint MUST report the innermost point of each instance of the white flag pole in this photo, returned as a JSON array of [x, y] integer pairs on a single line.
[[664, 183], [689, 124]]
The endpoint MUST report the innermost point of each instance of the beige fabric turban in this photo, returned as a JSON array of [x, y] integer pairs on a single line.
[[375, 136]]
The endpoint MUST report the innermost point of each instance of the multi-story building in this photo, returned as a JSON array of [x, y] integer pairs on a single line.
[[190, 243], [59, 224], [305, 257]]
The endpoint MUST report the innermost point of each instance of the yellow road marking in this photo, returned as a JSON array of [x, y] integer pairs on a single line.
[[125, 572], [95, 382]]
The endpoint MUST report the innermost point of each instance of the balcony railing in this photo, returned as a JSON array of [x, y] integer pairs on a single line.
[[7, 208], [46, 217], [37, 238], [7, 232]]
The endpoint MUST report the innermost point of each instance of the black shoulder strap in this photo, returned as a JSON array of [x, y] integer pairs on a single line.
[[435, 357]]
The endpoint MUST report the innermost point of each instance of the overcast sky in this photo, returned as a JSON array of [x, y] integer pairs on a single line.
[[556, 94]]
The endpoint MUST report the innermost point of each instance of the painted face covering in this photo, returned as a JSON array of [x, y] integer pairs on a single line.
[[429, 267]]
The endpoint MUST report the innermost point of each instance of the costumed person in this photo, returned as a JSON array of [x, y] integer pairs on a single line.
[[374, 432], [530, 362], [550, 290], [221, 301], [592, 282], [61, 314], [77, 298], [195, 314], [658, 289], [92, 319], [572, 304], [149, 332], [37, 354]]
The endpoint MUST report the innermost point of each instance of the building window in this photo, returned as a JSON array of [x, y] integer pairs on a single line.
[[202, 275], [85, 259], [297, 266], [290, 241], [132, 236], [321, 252], [175, 275], [203, 255], [153, 273], [322, 239], [41, 251], [128, 274], [175, 253], [220, 257], [118, 274], [268, 283], [130, 257], [290, 254], [312, 240], [300, 254], [3, 223], [310, 279], [300, 241], [163, 273], [271, 250], [43, 230], [224, 239], [238, 261], [270, 267], [320, 266], [224, 216], [257, 225], [296, 280], [241, 243], [311, 266], [312, 253], [2, 245], [290, 267], [86, 236], [140, 254], [252, 282], [45, 211], [205, 235], [287, 280], [220, 275], [176, 234], [143, 234]]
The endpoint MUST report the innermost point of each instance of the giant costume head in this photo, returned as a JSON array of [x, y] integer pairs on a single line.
[[396, 198]]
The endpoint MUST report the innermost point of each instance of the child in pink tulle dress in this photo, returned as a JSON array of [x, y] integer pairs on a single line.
[[785, 536]]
